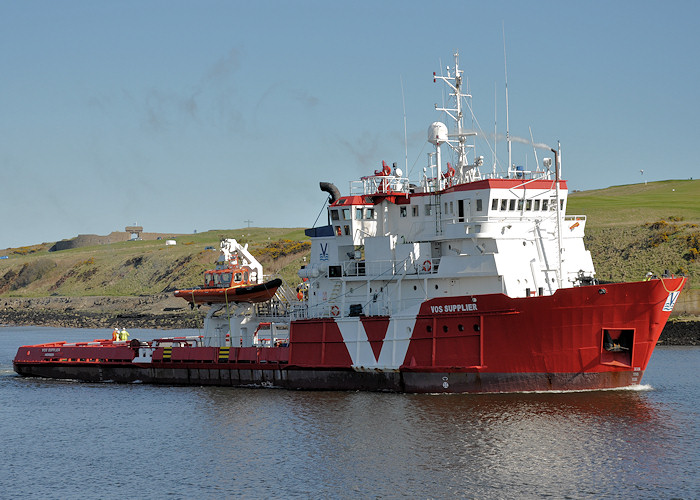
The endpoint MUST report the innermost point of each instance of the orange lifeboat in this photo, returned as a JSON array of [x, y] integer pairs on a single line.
[[228, 285]]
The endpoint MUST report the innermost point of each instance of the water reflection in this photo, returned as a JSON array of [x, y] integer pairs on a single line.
[[466, 445]]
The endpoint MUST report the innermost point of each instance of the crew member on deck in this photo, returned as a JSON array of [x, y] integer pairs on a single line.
[[123, 335], [115, 334]]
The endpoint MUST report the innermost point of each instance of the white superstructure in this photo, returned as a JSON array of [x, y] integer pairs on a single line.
[[393, 243]]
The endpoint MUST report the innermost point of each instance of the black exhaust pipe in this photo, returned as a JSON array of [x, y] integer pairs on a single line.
[[330, 188]]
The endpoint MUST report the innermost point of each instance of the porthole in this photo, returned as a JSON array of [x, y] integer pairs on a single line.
[[477, 327], [460, 327], [429, 328], [445, 328], [436, 287]]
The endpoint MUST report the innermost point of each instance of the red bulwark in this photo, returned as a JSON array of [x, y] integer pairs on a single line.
[[317, 343]]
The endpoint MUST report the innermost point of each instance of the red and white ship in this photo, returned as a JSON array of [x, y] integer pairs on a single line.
[[465, 280]]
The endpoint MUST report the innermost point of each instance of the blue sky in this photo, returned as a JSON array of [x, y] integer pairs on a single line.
[[186, 116]]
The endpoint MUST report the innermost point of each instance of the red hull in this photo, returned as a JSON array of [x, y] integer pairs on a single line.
[[251, 293], [498, 344]]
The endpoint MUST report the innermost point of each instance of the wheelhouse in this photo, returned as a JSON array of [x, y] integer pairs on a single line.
[[225, 278]]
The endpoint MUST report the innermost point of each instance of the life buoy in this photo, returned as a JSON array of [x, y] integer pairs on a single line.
[[427, 266], [335, 310]]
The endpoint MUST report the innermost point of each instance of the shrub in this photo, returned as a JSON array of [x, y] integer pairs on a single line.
[[276, 249], [693, 254], [657, 225]]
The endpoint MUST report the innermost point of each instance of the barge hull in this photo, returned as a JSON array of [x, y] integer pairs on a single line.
[[335, 379]]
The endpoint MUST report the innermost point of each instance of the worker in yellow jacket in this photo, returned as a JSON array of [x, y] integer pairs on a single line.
[[123, 335]]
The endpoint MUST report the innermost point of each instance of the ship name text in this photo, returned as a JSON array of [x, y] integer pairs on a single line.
[[452, 308]]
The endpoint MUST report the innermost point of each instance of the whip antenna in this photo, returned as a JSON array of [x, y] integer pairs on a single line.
[[405, 136], [505, 65]]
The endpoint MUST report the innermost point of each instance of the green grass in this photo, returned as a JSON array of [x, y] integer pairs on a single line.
[[636, 204]]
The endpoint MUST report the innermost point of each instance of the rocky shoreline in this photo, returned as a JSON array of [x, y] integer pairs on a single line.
[[154, 312], [167, 312]]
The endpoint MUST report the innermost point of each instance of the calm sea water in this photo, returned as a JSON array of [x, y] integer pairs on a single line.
[[62, 439]]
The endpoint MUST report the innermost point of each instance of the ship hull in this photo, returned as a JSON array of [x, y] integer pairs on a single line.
[[286, 378], [584, 338]]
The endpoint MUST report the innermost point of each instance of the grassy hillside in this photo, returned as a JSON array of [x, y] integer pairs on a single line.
[[638, 228], [143, 267], [636, 204]]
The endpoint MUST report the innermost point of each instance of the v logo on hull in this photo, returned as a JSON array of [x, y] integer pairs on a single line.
[[376, 329]]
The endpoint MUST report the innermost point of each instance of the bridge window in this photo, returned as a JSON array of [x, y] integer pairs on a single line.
[[494, 204], [511, 205], [358, 214], [402, 211], [528, 205], [537, 205], [369, 213], [504, 204], [544, 204], [346, 214], [479, 205], [414, 210], [334, 215], [521, 204]]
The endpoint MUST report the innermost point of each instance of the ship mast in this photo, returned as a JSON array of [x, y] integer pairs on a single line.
[[458, 141]]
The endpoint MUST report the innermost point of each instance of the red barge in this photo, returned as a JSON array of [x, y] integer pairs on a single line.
[[465, 280]]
